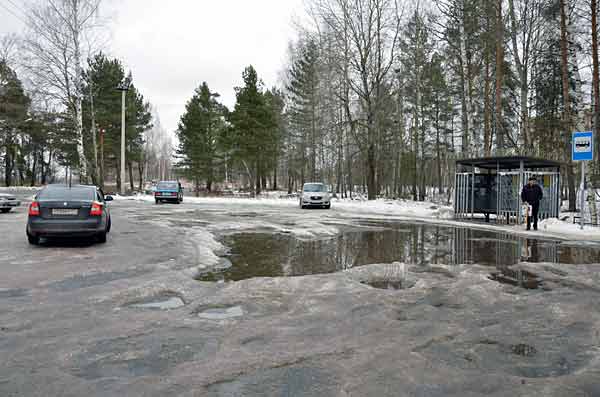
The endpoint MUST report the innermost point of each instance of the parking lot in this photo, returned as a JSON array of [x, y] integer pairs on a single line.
[[256, 299]]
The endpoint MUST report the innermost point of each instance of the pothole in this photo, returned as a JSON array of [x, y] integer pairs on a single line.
[[524, 350], [390, 284], [221, 313], [166, 301], [12, 292]]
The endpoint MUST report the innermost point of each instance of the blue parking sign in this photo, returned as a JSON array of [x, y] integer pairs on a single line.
[[583, 146]]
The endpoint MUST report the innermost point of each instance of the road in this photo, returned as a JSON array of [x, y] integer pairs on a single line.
[[74, 317]]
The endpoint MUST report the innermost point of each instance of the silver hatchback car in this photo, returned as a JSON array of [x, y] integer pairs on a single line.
[[315, 195]]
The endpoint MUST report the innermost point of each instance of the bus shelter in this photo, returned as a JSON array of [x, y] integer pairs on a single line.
[[492, 186]]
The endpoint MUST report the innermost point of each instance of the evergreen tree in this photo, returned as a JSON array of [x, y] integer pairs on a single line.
[[14, 107], [253, 128], [102, 118], [101, 78], [200, 132], [303, 98], [275, 103], [138, 119]]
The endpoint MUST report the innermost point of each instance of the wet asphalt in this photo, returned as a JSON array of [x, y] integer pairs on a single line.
[[290, 304]]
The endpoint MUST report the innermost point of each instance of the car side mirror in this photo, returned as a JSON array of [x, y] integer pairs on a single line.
[[108, 198]]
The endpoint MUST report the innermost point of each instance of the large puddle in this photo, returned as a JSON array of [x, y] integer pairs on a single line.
[[272, 255]]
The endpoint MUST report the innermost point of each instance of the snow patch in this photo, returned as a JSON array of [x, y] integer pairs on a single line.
[[563, 227]]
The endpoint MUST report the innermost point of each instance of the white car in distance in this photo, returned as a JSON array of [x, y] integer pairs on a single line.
[[315, 195]]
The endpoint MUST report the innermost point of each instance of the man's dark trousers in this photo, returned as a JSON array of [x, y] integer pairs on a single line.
[[535, 208]]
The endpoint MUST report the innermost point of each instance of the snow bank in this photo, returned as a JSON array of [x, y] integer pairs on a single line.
[[218, 200], [379, 207], [20, 188], [568, 228], [397, 208]]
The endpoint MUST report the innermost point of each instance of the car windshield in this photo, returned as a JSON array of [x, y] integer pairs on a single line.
[[167, 185], [67, 193], [314, 187]]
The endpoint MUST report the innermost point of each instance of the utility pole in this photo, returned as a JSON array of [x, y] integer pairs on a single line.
[[123, 87]]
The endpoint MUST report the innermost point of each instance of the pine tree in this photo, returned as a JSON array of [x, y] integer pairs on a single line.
[[275, 103], [14, 107], [138, 119], [303, 99], [103, 124], [252, 133], [200, 132]]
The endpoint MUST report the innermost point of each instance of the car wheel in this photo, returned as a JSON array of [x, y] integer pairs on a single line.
[[33, 240], [5, 210], [156, 201], [101, 237], [328, 206]]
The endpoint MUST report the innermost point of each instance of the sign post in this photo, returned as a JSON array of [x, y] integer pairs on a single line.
[[583, 150]]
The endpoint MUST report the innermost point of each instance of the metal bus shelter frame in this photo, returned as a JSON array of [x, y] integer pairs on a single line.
[[492, 186]]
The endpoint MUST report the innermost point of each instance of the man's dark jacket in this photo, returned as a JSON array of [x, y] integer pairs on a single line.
[[532, 194]]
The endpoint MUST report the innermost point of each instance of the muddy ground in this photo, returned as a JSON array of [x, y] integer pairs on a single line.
[[236, 300]]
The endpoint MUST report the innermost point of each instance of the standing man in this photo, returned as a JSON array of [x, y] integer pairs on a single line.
[[532, 194]]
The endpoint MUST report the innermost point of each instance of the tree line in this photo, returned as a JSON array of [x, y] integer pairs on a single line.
[[382, 96], [60, 111], [377, 96], [216, 144]]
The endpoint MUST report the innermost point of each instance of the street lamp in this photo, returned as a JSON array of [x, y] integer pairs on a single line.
[[123, 87]]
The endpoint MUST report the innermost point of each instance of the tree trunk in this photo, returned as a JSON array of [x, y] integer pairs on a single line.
[[275, 175], [257, 191], [130, 171], [464, 77], [102, 176], [371, 172], [140, 165], [118, 173], [438, 151], [7, 168], [567, 106], [499, 79], [93, 133], [78, 95], [34, 168], [595, 77], [487, 111]]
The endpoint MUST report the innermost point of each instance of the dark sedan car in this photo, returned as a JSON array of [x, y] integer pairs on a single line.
[[69, 211], [168, 191]]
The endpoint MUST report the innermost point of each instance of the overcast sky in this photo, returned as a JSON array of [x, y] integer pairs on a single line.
[[172, 46]]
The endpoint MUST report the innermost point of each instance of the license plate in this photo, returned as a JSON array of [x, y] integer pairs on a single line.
[[64, 211]]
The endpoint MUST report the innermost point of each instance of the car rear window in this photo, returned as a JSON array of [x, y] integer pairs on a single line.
[[168, 185], [67, 193]]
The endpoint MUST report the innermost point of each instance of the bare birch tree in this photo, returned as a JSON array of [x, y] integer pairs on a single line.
[[54, 52], [370, 29]]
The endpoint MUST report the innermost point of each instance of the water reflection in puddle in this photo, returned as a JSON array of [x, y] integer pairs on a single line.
[[272, 255]]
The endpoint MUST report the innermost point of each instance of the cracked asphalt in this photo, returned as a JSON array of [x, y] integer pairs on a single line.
[[73, 320]]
